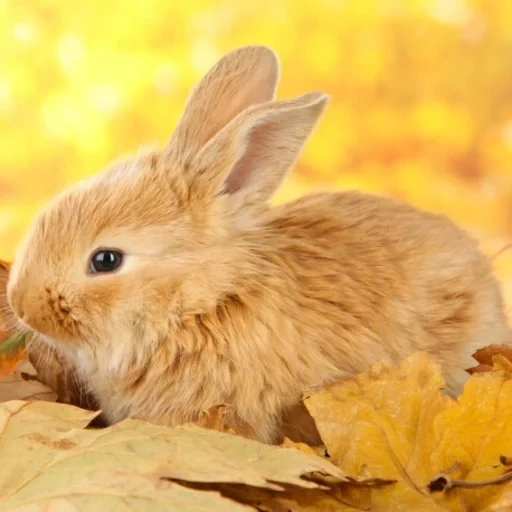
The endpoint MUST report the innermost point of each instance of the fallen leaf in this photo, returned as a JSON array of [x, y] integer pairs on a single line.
[[117, 489], [22, 427], [395, 422], [317, 450], [338, 496], [342, 498], [501, 363], [298, 424], [133, 460], [486, 355], [8, 363], [23, 384]]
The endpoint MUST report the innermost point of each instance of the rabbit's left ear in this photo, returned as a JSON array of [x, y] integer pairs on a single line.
[[251, 156], [243, 77]]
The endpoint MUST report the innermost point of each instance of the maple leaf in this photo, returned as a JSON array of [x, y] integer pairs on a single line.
[[395, 422], [135, 464]]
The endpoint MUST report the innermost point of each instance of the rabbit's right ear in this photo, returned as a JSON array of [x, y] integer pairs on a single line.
[[242, 78], [246, 162]]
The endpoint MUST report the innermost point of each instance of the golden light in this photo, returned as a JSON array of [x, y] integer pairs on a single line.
[[421, 95]]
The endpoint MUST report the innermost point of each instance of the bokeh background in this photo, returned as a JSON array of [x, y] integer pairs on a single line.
[[421, 95]]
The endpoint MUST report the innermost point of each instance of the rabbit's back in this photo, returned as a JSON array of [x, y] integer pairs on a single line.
[[389, 279]]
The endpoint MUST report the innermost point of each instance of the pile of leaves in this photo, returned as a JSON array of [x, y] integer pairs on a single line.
[[393, 441]]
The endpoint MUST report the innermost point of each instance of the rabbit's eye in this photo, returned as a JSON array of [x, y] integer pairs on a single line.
[[106, 260]]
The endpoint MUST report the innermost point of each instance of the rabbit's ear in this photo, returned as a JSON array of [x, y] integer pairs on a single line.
[[250, 157], [243, 77]]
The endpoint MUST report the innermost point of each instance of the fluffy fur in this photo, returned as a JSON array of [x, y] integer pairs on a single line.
[[224, 299]]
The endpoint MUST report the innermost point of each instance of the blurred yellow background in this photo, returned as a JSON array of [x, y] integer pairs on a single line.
[[421, 95]]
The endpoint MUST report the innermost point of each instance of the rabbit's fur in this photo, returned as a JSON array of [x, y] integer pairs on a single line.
[[224, 299]]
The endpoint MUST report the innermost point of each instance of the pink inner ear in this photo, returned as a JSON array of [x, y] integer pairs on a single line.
[[239, 175], [248, 163]]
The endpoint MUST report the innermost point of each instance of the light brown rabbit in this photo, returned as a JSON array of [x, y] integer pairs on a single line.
[[173, 286]]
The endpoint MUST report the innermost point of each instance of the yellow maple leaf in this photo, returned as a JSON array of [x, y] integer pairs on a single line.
[[395, 422]]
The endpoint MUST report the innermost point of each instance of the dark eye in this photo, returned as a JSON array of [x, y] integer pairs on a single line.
[[106, 260]]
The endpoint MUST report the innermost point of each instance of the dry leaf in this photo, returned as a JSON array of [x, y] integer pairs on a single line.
[[117, 489], [132, 462], [7, 364], [501, 363], [298, 424], [317, 450], [394, 422], [23, 384], [486, 355], [338, 497], [341, 499]]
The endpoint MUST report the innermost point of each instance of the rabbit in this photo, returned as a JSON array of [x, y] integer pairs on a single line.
[[173, 284]]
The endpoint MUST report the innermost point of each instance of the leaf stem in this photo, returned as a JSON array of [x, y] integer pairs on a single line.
[[444, 483]]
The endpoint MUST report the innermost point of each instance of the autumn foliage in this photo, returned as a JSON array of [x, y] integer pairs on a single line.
[[393, 442]]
